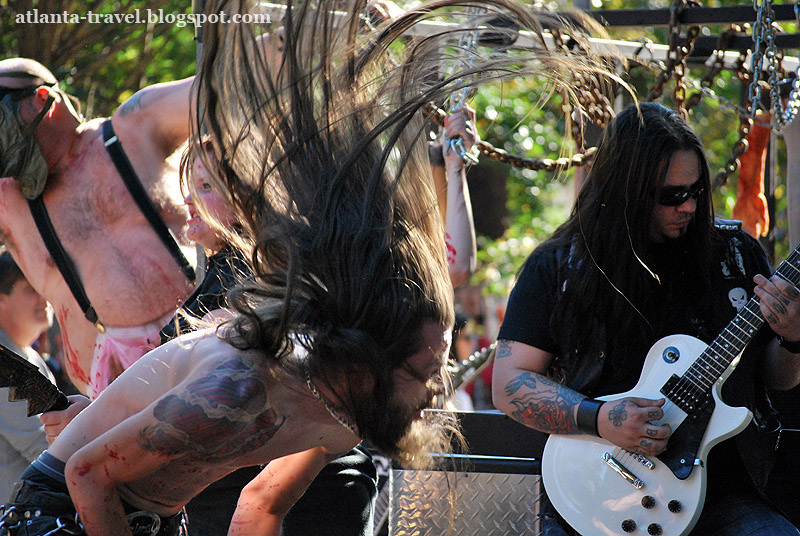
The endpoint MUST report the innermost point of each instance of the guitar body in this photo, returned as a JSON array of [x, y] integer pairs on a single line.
[[600, 497]]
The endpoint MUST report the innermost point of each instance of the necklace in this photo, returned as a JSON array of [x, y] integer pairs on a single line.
[[335, 414]]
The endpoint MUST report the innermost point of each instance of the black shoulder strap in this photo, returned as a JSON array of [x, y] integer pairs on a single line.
[[61, 258], [143, 201]]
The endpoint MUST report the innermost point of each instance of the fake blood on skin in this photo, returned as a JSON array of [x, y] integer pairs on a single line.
[[451, 251], [83, 468], [73, 369]]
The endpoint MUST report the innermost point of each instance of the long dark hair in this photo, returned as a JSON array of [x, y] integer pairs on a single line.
[[321, 155], [607, 236]]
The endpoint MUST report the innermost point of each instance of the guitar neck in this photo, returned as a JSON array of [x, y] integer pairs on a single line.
[[464, 371], [718, 356]]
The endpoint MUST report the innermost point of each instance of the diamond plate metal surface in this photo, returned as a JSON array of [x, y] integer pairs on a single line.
[[486, 504]]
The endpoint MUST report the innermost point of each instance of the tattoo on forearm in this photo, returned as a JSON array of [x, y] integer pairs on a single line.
[[526, 379], [618, 414], [551, 411], [503, 349], [221, 416], [131, 105]]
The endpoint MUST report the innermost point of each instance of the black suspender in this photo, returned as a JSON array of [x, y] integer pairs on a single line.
[[62, 260], [143, 201]]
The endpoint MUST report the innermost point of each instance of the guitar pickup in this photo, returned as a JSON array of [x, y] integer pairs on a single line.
[[685, 395]]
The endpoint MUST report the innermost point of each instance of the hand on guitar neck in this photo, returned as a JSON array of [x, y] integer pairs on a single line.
[[779, 303]]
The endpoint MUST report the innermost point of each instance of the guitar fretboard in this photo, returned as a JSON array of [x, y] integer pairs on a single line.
[[698, 379]]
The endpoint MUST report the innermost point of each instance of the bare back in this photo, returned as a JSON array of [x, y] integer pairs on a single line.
[[188, 413]]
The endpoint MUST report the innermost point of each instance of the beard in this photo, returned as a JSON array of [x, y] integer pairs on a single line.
[[409, 434]]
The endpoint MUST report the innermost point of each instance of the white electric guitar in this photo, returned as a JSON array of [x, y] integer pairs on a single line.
[[602, 489]]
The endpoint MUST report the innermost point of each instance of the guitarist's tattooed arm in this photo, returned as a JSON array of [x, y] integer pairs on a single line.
[[533, 399], [544, 404], [523, 392], [780, 305]]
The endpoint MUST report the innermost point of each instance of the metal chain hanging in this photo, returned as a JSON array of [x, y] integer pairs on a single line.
[[764, 34], [679, 70], [589, 93], [676, 57], [793, 105], [467, 45], [723, 44], [437, 115], [745, 124]]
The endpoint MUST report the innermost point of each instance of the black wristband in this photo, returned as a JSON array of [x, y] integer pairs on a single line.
[[793, 347], [586, 418]]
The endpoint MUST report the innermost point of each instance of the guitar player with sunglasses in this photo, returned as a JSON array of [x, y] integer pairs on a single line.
[[643, 336]]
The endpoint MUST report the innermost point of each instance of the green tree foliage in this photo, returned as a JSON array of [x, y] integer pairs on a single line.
[[103, 51]]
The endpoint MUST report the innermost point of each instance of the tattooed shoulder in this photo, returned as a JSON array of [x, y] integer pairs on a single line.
[[131, 105], [503, 348], [224, 414]]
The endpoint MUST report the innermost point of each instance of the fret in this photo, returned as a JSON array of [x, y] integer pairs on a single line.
[[728, 342], [709, 363], [692, 381], [753, 327], [787, 276], [741, 341], [700, 379], [718, 348]]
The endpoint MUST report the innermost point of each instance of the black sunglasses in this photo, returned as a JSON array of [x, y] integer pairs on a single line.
[[674, 196]]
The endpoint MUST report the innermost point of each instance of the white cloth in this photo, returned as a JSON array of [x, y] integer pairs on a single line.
[[22, 438]]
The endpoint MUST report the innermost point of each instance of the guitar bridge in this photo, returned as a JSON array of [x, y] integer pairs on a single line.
[[620, 469]]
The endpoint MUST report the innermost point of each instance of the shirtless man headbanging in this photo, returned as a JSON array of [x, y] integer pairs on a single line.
[[343, 330], [130, 278]]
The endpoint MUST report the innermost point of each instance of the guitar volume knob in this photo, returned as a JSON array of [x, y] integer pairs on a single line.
[[648, 501], [674, 506], [654, 529], [629, 525]]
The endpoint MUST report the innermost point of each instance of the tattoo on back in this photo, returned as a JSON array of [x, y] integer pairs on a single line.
[[220, 416]]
